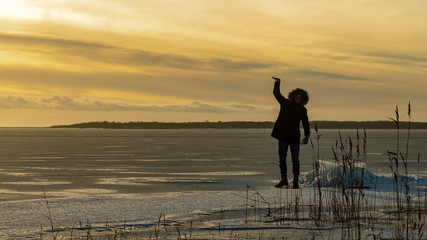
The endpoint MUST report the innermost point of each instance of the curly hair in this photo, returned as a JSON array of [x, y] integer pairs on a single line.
[[299, 91]]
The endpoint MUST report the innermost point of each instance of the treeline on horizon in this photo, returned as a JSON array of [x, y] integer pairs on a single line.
[[242, 124]]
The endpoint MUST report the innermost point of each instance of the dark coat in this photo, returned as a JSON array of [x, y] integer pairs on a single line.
[[288, 122]]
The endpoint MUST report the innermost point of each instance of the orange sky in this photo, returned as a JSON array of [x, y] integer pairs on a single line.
[[73, 61]]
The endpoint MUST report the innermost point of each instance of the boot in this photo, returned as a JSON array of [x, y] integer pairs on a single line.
[[295, 182], [282, 183]]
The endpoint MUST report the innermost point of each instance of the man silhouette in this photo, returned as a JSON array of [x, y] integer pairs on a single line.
[[287, 131]]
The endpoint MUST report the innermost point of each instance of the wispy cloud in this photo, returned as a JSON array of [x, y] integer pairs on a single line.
[[85, 104], [395, 58], [129, 56], [328, 75], [359, 53]]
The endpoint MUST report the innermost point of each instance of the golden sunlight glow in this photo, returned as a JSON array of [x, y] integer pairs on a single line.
[[19, 9], [212, 53]]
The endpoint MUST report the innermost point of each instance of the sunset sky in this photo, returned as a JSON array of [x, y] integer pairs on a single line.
[[64, 62]]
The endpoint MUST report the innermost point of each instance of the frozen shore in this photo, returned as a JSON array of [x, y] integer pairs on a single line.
[[251, 214]]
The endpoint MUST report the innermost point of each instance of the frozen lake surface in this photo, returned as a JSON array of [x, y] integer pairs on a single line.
[[112, 175]]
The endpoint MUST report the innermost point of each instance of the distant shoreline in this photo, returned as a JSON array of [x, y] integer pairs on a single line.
[[242, 125]]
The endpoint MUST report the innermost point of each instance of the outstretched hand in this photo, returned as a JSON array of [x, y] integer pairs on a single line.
[[277, 79]]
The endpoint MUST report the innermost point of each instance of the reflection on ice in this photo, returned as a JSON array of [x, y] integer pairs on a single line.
[[68, 193], [175, 160], [18, 174], [231, 173], [41, 158], [105, 155], [46, 168], [133, 172], [84, 192], [145, 180], [37, 182]]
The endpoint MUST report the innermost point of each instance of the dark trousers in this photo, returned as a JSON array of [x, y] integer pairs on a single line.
[[283, 152]]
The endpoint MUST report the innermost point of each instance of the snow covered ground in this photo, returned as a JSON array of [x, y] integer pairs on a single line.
[[255, 213]]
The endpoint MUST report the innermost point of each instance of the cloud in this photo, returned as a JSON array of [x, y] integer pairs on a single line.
[[395, 58], [129, 56], [206, 87], [328, 75], [361, 53], [86, 104]]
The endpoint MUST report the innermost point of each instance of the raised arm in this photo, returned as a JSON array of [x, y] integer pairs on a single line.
[[276, 91]]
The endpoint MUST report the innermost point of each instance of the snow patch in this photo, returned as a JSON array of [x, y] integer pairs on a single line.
[[334, 174]]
